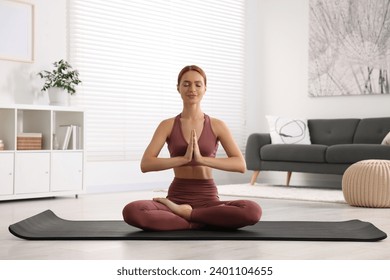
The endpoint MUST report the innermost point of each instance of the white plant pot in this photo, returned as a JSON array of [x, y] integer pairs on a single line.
[[58, 97]]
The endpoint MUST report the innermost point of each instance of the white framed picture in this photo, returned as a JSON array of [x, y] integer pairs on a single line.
[[16, 31]]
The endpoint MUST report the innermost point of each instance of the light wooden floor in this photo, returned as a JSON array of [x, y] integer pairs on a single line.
[[109, 206]]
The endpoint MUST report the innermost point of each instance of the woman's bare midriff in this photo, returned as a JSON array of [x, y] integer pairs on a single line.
[[193, 172]]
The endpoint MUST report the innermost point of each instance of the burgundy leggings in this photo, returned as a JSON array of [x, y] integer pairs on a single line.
[[208, 210]]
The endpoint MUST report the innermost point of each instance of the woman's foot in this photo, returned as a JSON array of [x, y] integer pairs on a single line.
[[182, 210]]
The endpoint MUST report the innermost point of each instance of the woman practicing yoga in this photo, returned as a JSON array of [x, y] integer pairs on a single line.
[[192, 138]]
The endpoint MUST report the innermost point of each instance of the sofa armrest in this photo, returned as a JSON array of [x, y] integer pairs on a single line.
[[252, 150]]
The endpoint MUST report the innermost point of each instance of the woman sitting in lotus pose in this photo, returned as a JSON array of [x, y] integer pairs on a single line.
[[192, 137]]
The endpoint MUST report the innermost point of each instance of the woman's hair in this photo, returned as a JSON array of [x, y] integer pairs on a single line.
[[192, 68]]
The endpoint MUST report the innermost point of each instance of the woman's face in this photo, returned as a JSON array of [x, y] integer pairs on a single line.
[[192, 87]]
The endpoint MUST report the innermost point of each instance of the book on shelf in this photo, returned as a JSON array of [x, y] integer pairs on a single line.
[[29, 135], [68, 132], [29, 141], [72, 137], [76, 137]]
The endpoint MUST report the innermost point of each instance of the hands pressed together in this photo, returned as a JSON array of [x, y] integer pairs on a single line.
[[193, 152]]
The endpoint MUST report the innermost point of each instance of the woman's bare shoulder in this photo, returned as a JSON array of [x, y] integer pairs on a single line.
[[166, 125], [168, 122], [218, 126], [217, 123]]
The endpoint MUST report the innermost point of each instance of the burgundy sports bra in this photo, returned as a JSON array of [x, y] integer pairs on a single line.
[[207, 141]]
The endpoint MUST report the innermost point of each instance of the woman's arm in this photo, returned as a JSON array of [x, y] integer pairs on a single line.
[[150, 160], [234, 162]]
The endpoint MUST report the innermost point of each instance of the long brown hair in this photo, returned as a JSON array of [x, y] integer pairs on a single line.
[[192, 68]]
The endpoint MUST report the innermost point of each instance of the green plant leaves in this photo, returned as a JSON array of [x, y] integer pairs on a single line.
[[62, 76]]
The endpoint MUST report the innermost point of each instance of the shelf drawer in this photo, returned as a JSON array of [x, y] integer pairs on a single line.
[[67, 171], [32, 172], [6, 173]]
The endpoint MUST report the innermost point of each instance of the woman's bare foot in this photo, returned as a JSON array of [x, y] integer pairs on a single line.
[[182, 210]]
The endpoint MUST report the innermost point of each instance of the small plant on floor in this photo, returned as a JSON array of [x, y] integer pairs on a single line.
[[62, 76]]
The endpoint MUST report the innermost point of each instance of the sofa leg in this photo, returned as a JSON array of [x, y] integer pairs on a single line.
[[254, 176], [288, 178]]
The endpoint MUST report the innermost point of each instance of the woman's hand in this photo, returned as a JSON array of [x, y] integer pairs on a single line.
[[197, 155], [190, 149], [193, 152]]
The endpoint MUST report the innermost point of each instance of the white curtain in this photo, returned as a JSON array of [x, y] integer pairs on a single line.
[[129, 54]]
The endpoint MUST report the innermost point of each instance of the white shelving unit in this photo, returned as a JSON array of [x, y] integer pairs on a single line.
[[50, 171]]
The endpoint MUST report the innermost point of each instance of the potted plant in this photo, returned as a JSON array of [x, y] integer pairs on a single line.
[[60, 82]]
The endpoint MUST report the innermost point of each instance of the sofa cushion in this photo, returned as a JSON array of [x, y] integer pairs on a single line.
[[332, 131], [284, 130], [351, 153], [386, 140], [372, 130], [292, 152]]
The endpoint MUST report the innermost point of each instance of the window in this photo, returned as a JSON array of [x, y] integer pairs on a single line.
[[129, 54]]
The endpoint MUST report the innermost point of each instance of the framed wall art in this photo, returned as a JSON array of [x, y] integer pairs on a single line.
[[349, 47], [16, 31]]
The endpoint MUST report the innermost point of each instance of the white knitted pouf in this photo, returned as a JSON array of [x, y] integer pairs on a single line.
[[367, 184]]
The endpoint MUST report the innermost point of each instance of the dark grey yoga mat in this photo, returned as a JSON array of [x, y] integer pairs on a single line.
[[48, 226]]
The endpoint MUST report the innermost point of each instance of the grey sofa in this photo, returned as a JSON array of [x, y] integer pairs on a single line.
[[335, 145]]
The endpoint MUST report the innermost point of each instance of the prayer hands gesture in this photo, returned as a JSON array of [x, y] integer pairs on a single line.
[[193, 152]]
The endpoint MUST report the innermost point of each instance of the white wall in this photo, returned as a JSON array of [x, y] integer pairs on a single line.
[[283, 27]]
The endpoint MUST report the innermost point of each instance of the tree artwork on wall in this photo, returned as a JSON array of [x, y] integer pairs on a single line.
[[349, 47]]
